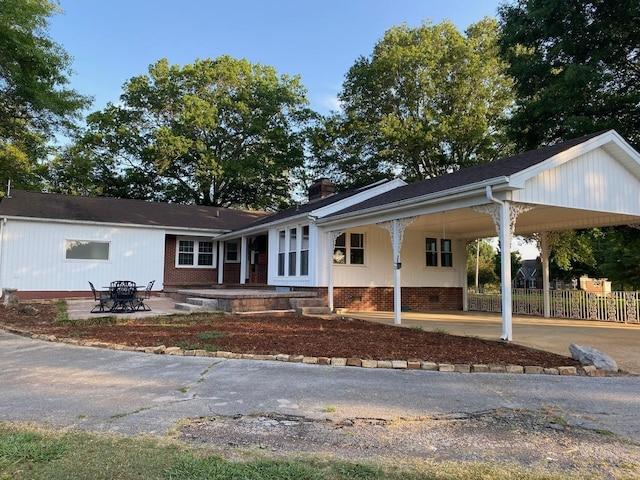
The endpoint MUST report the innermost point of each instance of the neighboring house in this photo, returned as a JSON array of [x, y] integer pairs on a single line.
[[601, 286], [388, 246], [51, 245], [529, 275]]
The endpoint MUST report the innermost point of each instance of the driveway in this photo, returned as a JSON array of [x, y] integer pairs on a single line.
[[108, 390], [620, 341]]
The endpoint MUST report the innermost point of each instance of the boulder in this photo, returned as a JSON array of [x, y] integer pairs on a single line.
[[591, 356], [29, 310]]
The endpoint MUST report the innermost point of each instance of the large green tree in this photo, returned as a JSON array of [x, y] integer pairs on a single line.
[[221, 132], [427, 101], [576, 66], [35, 102]]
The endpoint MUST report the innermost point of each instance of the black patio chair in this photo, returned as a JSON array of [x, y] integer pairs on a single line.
[[140, 305], [103, 299]]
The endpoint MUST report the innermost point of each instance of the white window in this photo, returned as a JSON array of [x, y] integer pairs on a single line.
[[349, 249], [304, 251], [194, 253], [444, 253], [86, 250], [231, 252], [293, 251], [281, 251]]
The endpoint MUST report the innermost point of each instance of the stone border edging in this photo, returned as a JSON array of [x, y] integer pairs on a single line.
[[412, 364]]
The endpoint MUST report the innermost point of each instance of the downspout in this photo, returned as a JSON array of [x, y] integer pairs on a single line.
[[504, 234], [2, 222]]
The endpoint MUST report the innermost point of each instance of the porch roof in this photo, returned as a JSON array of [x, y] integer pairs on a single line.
[[612, 177]]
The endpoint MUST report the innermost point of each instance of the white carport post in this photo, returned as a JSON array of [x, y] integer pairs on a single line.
[[545, 252], [397, 285], [332, 237], [504, 215], [396, 229], [504, 235]]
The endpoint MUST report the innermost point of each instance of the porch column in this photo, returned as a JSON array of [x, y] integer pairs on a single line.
[[504, 214], [545, 251], [396, 229], [243, 260], [220, 263], [332, 236], [505, 236]]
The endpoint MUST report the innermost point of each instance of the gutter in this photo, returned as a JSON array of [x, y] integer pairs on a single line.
[[261, 228], [200, 231]]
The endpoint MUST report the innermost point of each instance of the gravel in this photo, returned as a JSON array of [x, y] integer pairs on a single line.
[[537, 441]]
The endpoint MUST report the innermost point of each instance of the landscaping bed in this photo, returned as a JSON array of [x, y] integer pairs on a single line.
[[282, 334]]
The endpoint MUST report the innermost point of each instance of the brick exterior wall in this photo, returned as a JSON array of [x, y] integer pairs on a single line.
[[184, 277], [231, 273], [420, 299]]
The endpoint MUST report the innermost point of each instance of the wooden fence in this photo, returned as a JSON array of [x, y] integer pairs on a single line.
[[612, 307]]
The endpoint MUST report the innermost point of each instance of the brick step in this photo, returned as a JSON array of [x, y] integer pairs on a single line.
[[314, 311]]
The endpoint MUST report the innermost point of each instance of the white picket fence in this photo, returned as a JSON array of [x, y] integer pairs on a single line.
[[612, 307]]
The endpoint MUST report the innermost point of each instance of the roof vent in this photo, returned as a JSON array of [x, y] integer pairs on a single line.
[[321, 188]]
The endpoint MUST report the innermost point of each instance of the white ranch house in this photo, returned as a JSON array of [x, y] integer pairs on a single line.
[[387, 246]]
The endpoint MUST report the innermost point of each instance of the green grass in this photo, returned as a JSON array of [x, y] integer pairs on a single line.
[[35, 453], [62, 317]]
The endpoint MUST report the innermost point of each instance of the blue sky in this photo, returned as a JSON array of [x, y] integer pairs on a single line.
[[112, 41]]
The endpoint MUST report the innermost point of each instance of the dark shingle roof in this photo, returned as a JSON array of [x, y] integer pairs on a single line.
[[468, 176], [313, 205], [125, 211]]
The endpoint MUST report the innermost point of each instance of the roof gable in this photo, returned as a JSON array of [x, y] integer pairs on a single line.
[[112, 210], [498, 171]]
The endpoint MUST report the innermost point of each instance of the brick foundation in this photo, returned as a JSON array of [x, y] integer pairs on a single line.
[[420, 299]]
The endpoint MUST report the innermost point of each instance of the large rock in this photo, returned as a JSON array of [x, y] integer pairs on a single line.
[[591, 356]]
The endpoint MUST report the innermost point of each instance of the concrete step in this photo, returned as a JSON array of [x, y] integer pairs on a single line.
[[205, 303], [188, 307]]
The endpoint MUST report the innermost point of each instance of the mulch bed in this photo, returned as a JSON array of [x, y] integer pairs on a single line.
[[287, 334]]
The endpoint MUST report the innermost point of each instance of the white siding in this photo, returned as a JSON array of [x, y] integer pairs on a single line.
[[378, 268], [33, 256], [592, 181]]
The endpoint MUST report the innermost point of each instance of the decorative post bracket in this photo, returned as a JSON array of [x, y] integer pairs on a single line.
[[397, 227], [493, 209]]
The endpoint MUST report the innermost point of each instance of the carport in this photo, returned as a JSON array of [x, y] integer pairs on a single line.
[[591, 181]]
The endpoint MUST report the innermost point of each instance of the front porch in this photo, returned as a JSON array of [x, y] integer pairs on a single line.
[[240, 300]]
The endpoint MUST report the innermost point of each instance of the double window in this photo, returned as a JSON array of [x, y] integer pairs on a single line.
[[441, 251], [349, 249], [195, 253], [293, 251]]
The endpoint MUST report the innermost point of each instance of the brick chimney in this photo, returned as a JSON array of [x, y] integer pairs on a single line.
[[321, 188]]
